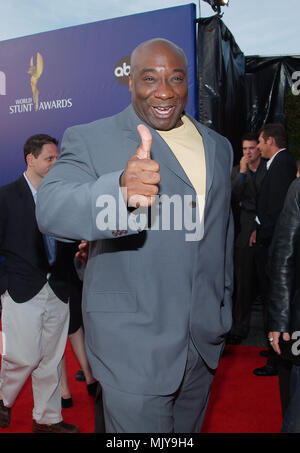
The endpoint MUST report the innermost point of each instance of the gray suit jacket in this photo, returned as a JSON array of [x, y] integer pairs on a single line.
[[145, 292]]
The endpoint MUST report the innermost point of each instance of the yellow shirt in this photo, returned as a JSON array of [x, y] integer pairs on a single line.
[[187, 145]]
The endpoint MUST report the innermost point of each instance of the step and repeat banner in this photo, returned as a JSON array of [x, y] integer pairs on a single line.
[[50, 81]]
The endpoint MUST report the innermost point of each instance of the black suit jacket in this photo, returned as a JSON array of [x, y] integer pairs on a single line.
[[244, 194], [23, 260], [272, 193], [284, 305]]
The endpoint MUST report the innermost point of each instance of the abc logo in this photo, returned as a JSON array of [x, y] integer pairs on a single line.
[[122, 70]]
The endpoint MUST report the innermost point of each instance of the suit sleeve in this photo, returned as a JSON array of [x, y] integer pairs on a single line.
[[282, 176], [229, 249], [283, 261], [2, 219], [3, 215], [229, 262], [238, 183], [74, 203]]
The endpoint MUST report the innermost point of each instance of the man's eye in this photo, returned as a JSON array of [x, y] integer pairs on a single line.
[[178, 79]]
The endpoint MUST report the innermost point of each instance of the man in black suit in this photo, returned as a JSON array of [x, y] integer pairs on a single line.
[[34, 295], [284, 306], [281, 171], [246, 179]]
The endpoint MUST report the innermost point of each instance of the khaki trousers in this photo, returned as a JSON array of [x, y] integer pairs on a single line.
[[34, 340]]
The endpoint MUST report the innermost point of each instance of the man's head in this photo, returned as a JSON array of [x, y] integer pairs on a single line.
[[250, 148], [272, 138], [158, 83], [40, 153]]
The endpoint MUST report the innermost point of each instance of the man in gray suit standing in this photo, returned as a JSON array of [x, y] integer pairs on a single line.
[[150, 189]]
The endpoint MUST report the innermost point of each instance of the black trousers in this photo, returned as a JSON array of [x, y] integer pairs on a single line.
[[283, 367], [245, 289], [262, 267], [99, 414], [284, 373]]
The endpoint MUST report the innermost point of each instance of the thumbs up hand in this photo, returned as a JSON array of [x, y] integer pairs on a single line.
[[141, 174], [144, 150]]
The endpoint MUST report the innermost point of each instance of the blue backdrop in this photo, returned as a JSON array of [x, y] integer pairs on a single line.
[[80, 74]]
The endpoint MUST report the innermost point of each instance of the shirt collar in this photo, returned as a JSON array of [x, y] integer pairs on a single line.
[[33, 190], [272, 158]]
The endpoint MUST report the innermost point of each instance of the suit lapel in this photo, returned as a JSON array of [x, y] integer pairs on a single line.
[[260, 174], [31, 223], [209, 144], [160, 150], [163, 154], [25, 193]]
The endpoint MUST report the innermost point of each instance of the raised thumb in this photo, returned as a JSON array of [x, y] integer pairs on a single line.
[[144, 150]]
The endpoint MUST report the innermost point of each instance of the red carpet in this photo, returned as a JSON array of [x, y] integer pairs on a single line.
[[81, 414], [240, 402]]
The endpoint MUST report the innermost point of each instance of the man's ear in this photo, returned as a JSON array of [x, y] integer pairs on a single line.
[[271, 141], [29, 158]]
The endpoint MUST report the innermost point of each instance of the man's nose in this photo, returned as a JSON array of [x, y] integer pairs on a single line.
[[164, 91]]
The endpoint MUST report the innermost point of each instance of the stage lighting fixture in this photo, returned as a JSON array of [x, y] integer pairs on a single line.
[[216, 4]]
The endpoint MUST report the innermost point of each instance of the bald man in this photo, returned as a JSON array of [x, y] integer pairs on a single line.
[[150, 189]]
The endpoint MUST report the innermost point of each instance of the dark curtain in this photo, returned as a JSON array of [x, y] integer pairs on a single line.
[[238, 94], [267, 81], [221, 81]]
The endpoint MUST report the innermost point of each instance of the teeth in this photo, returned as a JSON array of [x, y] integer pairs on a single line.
[[163, 110]]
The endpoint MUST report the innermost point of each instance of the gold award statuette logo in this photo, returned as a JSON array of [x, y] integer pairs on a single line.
[[36, 72]]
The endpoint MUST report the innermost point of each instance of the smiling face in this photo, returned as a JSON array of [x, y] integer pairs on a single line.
[[158, 84]]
